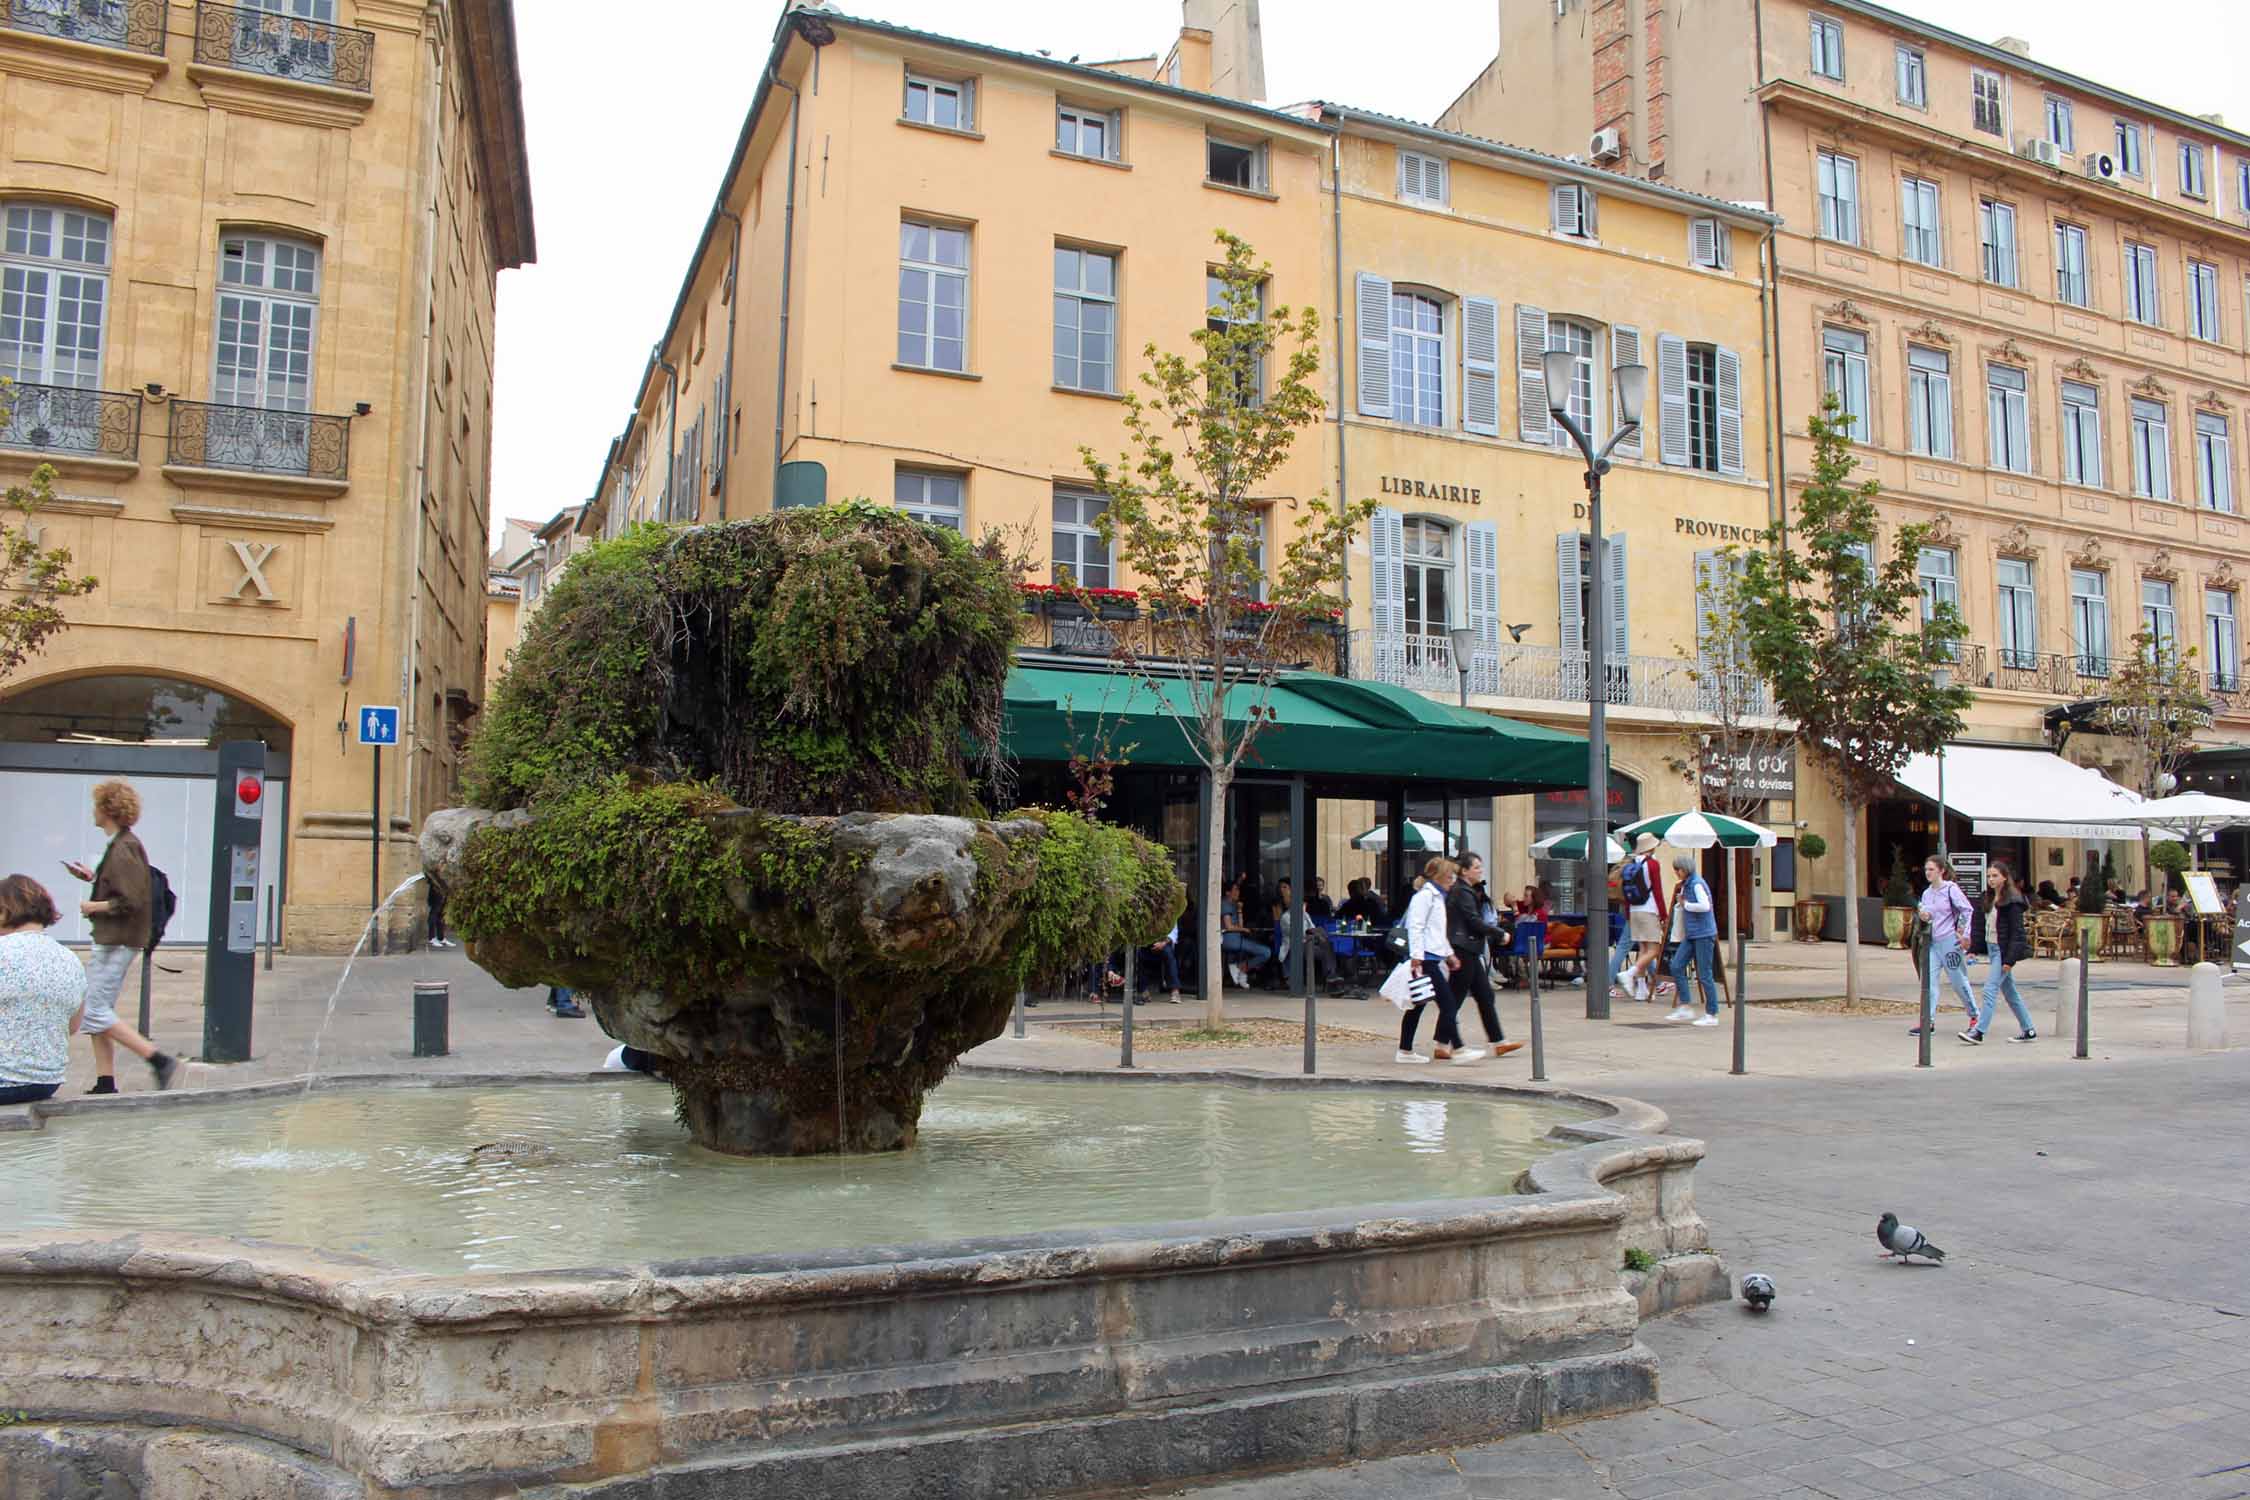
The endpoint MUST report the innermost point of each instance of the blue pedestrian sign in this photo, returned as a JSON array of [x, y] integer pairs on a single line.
[[378, 726]]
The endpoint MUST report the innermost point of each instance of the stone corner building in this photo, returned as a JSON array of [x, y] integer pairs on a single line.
[[250, 258]]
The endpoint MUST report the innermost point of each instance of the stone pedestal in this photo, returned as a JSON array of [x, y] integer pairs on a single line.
[[2066, 1003], [2207, 1010]]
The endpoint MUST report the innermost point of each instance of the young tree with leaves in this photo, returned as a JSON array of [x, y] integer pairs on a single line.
[[2157, 701], [1187, 515], [34, 578], [1836, 626], [1730, 693]]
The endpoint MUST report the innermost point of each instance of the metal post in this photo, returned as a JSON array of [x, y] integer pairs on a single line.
[[375, 854], [1929, 995], [1538, 1031], [432, 998], [1125, 1046], [2083, 1016], [1741, 1006], [1300, 926], [1597, 759], [1019, 1011], [271, 917], [148, 963], [1941, 849]]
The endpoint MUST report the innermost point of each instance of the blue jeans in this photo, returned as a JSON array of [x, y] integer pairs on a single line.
[[1703, 951], [1248, 952], [1946, 959], [2000, 980]]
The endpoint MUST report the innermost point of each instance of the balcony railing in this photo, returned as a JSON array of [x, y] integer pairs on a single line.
[[265, 41], [132, 25], [1062, 626], [1551, 674], [305, 444], [63, 419]]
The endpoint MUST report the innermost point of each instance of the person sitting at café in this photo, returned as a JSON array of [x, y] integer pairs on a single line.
[[1362, 907], [1317, 905], [1318, 949], [1237, 945], [1537, 902], [2049, 897]]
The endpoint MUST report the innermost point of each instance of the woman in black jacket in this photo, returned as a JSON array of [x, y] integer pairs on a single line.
[[1999, 937], [1469, 932]]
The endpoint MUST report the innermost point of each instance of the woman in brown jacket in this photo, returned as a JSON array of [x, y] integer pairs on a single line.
[[118, 911]]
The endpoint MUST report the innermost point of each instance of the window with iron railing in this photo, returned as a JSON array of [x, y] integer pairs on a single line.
[[298, 40]]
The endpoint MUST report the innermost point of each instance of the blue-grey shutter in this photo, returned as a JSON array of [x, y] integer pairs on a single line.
[[1532, 422], [1570, 611], [1374, 345], [1730, 410], [1620, 638], [1480, 362], [1481, 559], [1386, 552], [1671, 398], [1706, 580], [1625, 349]]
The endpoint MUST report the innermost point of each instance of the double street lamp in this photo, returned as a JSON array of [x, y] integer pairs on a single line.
[[1561, 367]]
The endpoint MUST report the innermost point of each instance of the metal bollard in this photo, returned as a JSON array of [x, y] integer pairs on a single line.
[[1312, 1028], [271, 916], [148, 963], [1741, 1007], [1538, 1031], [2083, 1015], [1929, 995], [432, 1000], [1125, 1046], [1019, 1011]]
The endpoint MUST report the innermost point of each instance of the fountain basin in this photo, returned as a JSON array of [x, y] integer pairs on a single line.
[[1046, 1362]]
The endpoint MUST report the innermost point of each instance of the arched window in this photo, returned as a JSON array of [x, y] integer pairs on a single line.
[[1418, 359], [269, 301], [1581, 339], [1429, 577], [54, 295]]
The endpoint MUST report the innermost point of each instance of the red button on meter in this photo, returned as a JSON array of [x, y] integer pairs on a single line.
[[249, 789]]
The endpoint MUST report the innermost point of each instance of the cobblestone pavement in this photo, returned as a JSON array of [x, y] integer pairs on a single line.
[[2089, 1334]]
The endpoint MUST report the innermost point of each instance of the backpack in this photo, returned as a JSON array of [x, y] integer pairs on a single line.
[[161, 904], [1633, 884]]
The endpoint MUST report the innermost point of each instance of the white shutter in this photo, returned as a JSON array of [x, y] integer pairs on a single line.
[[1480, 361], [1481, 559], [1703, 242], [1532, 422], [1724, 236], [1671, 398], [1374, 345], [1569, 601], [1409, 175], [1625, 349], [1562, 209], [1589, 213], [1730, 410], [1620, 639], [1433, 178], [1386, 552], [1706, 581]]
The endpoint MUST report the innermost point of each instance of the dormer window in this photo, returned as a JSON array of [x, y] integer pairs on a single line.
[[946, 103], [1234, 164]]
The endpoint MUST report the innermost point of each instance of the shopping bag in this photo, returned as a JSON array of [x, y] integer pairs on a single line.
[[1407, 989]]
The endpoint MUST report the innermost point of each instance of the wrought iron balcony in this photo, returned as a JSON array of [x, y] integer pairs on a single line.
[[1551, 674], [130, 25], [1058, 623], [265, 41], [65, 420], [207, 436]]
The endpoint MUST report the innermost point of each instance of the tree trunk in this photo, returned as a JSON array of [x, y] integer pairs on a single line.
[[1214, 888], [1851, 903]]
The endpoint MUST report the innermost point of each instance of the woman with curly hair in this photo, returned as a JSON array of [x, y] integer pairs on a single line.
[[119, 913]]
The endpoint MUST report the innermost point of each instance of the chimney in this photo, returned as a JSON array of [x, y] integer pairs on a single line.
[[2015, 44], [2214, 118], [1237, 46]]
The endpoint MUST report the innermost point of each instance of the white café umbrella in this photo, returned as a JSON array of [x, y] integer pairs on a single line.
[[1707, 830], [2189, 815], [1419, 836], [1572, 845]]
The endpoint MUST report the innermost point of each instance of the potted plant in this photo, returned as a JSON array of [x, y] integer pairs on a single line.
[[2168, 859], [2093, 907], [1898, 901], [1812, 912]]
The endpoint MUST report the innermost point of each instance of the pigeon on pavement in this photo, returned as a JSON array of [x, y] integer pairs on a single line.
[[1757, 1290], [1904, 1240]]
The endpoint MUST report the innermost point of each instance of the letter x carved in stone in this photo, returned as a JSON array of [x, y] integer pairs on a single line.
[[253, 557]]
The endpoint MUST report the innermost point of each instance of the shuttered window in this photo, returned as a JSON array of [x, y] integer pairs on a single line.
[[1532, 422], [1417, 359], [1480, 365], [1421, 179], [1710, 244], [1985, 110], [1373, 314], [1624, 349], [1572, 210], [1574, 582], [1671, 399]]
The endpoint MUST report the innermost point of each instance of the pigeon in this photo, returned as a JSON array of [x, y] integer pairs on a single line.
[[1757, 1290], [1904, 1240]]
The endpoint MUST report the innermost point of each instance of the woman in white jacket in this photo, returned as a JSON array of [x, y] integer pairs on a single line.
[[1430, 950]]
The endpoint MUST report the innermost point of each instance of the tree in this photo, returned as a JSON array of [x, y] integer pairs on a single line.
[[1836, 626], [1731, 696], [1189, 522], [2156, 703], [34, 578]]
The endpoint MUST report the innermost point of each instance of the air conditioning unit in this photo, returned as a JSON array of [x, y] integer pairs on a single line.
[[1606, 145], [2040, 150], [2102, 165]]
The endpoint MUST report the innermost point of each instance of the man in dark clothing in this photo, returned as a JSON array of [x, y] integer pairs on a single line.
[[1471, 934], [1363, 908], [1317, 905]]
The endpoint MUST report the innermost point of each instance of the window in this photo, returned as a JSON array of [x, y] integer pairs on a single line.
[[269, 298], [2159, 616], [1417, 359], [2071, 282], [2242, 185], [1929, 401], [1571, 210], [1216, 318], [1581, 402], [1429, 577], [1864, 552], [54, 294], [1827, 48], [1839, 198], [1913, 79], [933, 296], [1091, 133], [2081, 435], [1421, 179], [1918, 220], [2214, 465], [2019, 614], [2141, 302], [1703, 407], [1984, 98], [2089, 621], [1710, 244], [1844, 376], [1937, 570], [2203, 301], [948, 103], [1079, 550], [1261, 533], [2009, 421], [1996, 233], [2152, 450], [2222, 642], [261, 45], [1235, 164], [2194, 179], [2129, 148], [930, 496], [1085, 319], [2059, 129]]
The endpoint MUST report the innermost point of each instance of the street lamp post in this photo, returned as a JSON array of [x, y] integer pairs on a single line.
[[1941, 679], [1560, 367], [1464, 643]]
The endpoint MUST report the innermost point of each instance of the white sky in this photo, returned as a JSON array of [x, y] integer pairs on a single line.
[[630, 127]]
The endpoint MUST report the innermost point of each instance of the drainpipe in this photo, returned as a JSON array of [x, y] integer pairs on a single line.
[[788, 251], [1336, 321], [734, 302], [671, 443]]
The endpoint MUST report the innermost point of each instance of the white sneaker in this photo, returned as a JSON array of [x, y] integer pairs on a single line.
[[1240, 976], [1410, 1057], [1706, 1020], [1640, 987], [1470, 1054], [1682, 1013]]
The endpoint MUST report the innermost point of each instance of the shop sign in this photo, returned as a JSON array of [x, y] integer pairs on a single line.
[[1417, 489], [1763, 772]]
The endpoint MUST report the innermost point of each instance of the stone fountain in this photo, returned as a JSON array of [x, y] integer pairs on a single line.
[[728, 794]]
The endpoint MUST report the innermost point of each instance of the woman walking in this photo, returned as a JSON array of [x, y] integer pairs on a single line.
[[42, 994], [1430, 952], [119, 911], [1471, 927], [1949, 913], [1999, 937], [1699, 944]]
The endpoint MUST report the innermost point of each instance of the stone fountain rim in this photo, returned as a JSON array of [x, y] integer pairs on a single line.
[[1566, 1188]]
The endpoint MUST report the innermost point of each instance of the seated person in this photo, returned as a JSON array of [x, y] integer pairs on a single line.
[[1317, 905], [1363, 908], [1237, 944], [1318, 950], [1536, 902], [1166, 956], [2049, 897]]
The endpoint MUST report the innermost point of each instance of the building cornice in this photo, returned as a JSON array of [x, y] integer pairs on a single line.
[[488, 46]]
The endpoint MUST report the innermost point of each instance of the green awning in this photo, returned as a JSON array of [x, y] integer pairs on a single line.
[[1320, 726]]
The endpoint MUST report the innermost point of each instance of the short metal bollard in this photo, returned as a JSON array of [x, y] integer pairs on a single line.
[[1929, 996], [1538, 1031], [1019, 1011], [271, 915], [2085, 1018], [1132, 979], [433, 999]]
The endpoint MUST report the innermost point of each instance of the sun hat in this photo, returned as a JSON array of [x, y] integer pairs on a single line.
[[1645, 843]]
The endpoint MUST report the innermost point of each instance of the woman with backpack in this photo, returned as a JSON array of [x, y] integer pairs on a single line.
[[1950, 916], [118, 912], [2000, 938]]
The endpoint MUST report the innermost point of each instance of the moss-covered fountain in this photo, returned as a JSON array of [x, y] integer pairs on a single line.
[[728, 791]]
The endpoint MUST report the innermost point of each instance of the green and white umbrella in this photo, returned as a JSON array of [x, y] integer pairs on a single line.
[[1420, 837], [1701, 830], [1572, 845]]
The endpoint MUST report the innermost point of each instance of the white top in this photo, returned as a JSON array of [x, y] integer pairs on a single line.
[[1648, 867], [1425, 923], [42, 984]]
